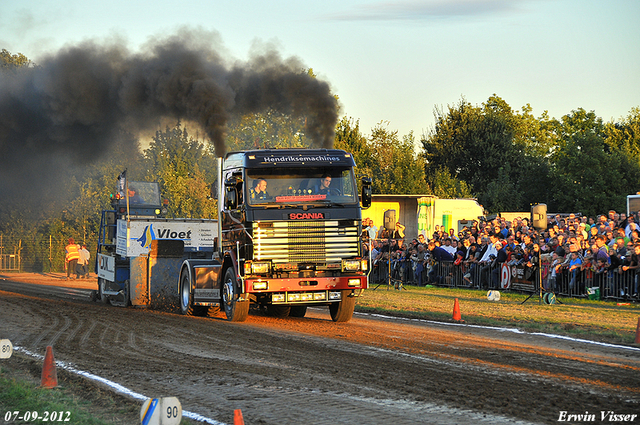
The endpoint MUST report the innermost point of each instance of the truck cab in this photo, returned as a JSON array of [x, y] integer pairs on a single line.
[[290, 224], [143, 200]]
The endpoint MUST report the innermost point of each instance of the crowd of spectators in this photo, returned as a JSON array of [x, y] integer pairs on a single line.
[[572, 254]]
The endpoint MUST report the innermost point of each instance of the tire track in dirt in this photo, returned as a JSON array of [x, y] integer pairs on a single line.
[[88, 333], [60, 330], [316, 371], [53, 322]]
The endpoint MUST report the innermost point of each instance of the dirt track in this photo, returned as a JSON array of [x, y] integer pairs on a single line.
[[311, 370]]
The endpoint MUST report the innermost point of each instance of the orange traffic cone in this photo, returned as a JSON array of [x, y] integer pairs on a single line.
[[456, 311], [638, 332], [237, 417], [49, 374]]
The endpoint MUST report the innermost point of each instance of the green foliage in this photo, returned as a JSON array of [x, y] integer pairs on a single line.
[[20, 396], [350, 139], [397, 168], [391, 162], [501, 193], [267, 130], [625, 135], [185, 169], [271, 129], [444, 185], [510, 160], [592, 173], [9, 61], [472, 144]]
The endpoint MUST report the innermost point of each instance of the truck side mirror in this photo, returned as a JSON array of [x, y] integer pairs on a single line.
[[366, 192]]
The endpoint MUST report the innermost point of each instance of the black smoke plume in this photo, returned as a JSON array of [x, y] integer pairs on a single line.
[[72, 106]]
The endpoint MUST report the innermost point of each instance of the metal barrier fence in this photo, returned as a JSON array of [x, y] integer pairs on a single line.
[[616, 285], [9, 262], [43, 254]]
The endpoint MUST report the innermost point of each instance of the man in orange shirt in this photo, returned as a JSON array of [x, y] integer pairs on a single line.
[[72, 255]]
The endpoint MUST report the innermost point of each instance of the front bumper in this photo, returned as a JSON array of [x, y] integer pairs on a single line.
[[304, 285]]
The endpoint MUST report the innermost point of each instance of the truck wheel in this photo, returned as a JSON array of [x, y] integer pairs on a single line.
[[186, 305], [277, 310], [343, 311], [298, 311], [236, 311]]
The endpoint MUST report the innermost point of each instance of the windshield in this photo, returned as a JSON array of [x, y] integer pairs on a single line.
[[301, 185], [141, 193]]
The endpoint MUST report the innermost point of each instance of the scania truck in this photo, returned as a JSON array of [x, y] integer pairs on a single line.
[[287, 237]]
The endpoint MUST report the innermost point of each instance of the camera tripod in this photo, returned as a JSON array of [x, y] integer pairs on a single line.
[[540, 288]]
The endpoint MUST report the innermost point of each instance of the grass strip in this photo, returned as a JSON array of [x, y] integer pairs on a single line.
[[579, 318], [21, 401], [86, 402]]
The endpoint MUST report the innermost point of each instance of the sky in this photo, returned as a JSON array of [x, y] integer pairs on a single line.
[[390, 62]]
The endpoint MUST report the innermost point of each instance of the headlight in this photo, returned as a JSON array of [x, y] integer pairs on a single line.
[[260, 268], [350, 265], [294, 297], [257, 267], [353, 282], [335, 296], [260, 286], [364, 265]]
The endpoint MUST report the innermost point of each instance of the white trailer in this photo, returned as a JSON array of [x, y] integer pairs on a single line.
[[633, 204]]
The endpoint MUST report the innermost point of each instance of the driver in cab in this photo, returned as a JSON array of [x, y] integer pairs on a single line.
[[259, 191], [322, 188], [134, 198]]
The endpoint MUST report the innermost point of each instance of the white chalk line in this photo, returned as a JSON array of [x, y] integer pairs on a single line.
[[513, 330]]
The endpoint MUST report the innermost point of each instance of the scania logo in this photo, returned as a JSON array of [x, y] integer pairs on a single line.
[[306, 216]]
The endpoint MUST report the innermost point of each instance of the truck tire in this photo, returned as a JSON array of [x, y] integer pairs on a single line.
[[298, 311], [343, 311], [186, 298], [277, 310], [236, 311]]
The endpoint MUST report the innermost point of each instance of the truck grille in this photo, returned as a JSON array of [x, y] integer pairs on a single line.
[[305, 241]]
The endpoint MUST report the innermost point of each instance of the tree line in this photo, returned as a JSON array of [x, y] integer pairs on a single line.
[[507, 159], [510, 159]]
